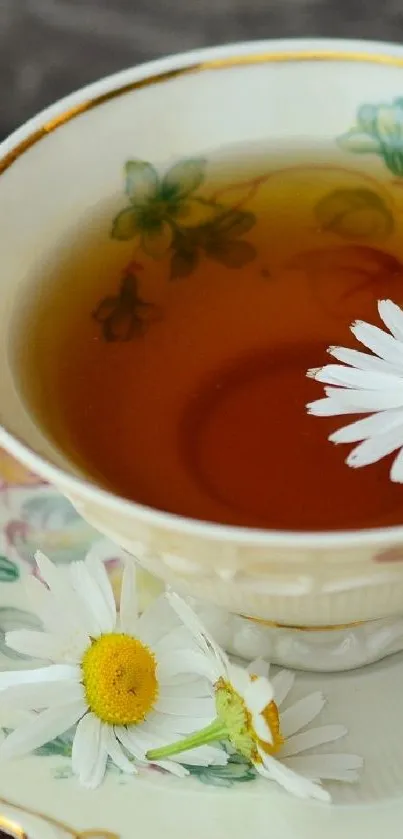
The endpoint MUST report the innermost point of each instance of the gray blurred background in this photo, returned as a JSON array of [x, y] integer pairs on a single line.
[[50, 47]]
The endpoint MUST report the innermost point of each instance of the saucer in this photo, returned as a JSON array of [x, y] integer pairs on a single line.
[[39, 798]]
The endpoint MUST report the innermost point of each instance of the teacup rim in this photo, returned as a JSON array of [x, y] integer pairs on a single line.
[[50, 118]]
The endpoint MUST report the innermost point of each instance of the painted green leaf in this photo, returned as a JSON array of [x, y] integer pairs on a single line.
[[183, 178], [58, 746], [124, 225], [183, 262], [233, 253], [9, 571], [234, 223], [354, 214], [237, 770], [142, 182], [360, 143]]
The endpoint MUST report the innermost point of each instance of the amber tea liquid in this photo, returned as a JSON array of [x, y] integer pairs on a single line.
[[168, 350]]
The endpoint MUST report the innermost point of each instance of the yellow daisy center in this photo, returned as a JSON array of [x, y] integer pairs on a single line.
[[119, 677], [232, 710]]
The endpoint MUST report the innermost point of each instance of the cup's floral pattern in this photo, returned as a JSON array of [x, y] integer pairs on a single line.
[[168, 216], [158, 205], [126, 314], [355, 214], [378, 130]]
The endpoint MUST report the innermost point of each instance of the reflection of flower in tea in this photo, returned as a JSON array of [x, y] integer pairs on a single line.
[[124, 314], [348, 280], [159, 204], [378, 130]]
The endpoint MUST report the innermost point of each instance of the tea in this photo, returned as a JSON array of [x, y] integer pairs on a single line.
[[168, 351]]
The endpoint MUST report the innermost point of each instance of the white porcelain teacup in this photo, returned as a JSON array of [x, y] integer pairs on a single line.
[[63, 163]]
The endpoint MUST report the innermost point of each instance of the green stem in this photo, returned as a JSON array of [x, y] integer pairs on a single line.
[[217, 730]]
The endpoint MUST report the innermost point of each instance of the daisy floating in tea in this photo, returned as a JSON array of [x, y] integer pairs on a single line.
[[368, 383]]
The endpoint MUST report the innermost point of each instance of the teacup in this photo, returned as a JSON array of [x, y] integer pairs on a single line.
[[63, 163]]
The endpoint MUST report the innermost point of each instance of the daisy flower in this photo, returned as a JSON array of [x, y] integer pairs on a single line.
[[126, 682], [250, 715], [368, 384]]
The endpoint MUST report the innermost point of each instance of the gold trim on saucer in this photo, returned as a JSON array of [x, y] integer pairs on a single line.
[[326, 628], [19, 833], [168, 75], [12, 829]]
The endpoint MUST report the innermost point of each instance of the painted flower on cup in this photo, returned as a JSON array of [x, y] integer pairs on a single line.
[[250, 715], [378, 130], [160, 204], [128, 683], [368, 383]]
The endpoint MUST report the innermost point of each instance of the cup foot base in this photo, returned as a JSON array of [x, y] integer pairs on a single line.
[[325, 650]]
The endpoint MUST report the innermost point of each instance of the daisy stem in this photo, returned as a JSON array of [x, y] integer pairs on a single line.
[[217, 730]]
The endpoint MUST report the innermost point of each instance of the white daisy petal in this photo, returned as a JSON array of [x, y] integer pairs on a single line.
[[186, 661], [176, 639], [55, 672], [201, 707], [259, 667], [203, 756], [172, 767], [90, 593], [116, 752], [333, 767], [349, 377], [379, 342], [282, 683], [40, 695], [34, 644], [99, 574], [298, 785], [312, 738], [63, 594], [199, 688], [258, 695], [127, 737], [98, 774], [158, 619], [50, 611], [129, 608], [363, 361], [371, 426], [85, 747], [239, 678], [262, 729], [392, 317], [190, 619], [330, 408], [357, 401], [40, 729], [301, 714], [396, 472], [374, 449], [168, 725]]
